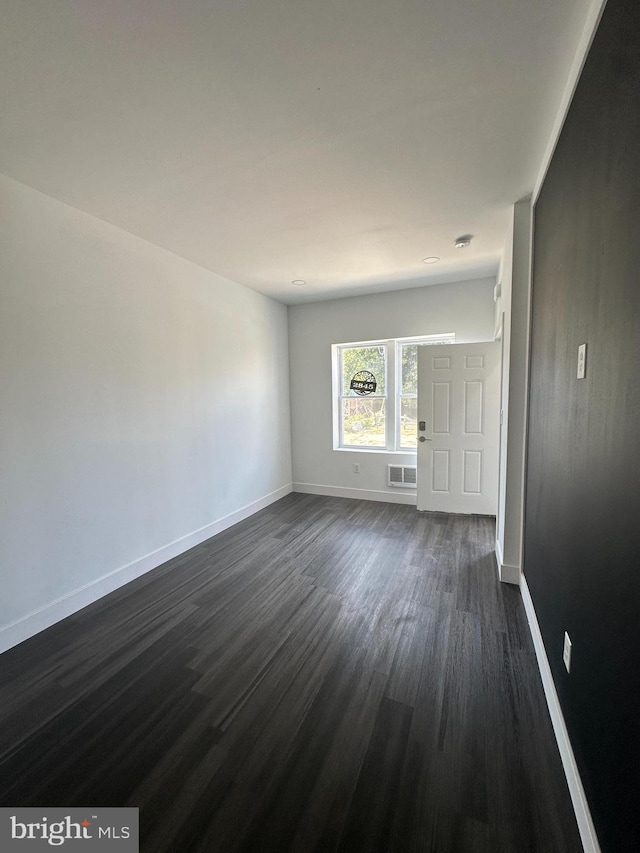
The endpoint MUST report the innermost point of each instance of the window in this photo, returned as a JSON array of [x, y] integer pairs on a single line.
[[376, 393], [363, 396], [408, 395]]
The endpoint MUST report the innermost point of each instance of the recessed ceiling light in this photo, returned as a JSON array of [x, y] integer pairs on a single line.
[[299, 282], [431, 260], [463, 242]]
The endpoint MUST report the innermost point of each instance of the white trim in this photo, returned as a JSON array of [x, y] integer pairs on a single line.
[[580, 805], [498, 553], [580, 57], [509, 574], [31, 624], [379, 450], [506, 573], [527, 381], [357, 494]]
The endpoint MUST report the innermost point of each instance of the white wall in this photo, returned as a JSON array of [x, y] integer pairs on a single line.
[[144, 407], [466, 308], [514, 303], [503, 322]]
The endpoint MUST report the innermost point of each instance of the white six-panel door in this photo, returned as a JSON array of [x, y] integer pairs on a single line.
[[458, 406]]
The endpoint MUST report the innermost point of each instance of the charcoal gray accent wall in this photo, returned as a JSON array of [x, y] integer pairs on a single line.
[[582, 519]]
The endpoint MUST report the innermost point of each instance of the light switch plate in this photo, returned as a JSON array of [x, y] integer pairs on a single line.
[[566, 652], [582, 361]]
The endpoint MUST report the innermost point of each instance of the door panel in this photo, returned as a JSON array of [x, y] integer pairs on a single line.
[[441, 417], [459, 398]]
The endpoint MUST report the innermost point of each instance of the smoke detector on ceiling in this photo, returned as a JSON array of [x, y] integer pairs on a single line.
[[463, 242]]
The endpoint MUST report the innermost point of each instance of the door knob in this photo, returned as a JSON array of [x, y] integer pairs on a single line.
[[422, 438]]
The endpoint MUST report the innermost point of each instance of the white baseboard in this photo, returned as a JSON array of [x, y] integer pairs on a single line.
[[580, 805], [510, 574], [31, 624], [399, 497], [498, 552], [506, 573]]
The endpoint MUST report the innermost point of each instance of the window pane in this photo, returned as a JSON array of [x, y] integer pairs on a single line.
[[357, 363], [363, 422], [409, 369], [408, 422]]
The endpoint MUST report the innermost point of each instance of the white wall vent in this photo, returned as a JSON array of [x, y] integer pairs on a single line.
[[402, 475]]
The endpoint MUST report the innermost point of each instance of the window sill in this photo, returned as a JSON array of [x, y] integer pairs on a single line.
[[376, 450]]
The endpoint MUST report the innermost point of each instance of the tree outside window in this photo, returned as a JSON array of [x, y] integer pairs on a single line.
[[377, 393], [363, 397]]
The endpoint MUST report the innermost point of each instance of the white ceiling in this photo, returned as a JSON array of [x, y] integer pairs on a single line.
[[337, 141]]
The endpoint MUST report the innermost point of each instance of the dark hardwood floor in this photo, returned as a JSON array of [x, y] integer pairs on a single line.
[[328, 675]]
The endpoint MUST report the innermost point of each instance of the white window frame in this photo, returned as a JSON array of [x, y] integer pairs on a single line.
[[338, 396], [393, 386]]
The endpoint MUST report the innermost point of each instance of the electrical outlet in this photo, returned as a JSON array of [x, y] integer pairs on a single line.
[[356, 467], [566, 652]]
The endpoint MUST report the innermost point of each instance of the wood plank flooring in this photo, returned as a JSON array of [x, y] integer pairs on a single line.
[[328, 675]]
